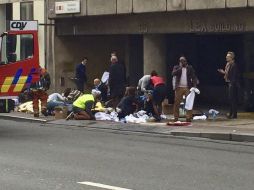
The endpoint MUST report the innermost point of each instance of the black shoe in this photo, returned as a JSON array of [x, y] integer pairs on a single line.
[[36, 114], [44, 112]]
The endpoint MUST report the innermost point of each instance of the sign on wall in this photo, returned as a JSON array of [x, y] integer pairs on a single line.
[[24, 25], [65, 7]]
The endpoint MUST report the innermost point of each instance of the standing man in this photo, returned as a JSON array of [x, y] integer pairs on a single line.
[[117, 80], [185, 79], [81, 77], [231, 76], [39, 92]]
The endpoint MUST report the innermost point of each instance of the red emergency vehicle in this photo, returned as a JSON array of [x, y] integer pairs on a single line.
[[19, 58]]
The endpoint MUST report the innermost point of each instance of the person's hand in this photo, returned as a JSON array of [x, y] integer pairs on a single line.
[[221, 71]]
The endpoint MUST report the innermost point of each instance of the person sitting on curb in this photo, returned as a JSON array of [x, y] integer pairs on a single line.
[[98, 85], [82, 107], [128, 104]]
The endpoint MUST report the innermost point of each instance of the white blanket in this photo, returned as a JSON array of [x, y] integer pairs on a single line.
[[190, 98]]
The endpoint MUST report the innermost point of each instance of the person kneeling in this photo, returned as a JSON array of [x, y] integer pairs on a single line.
[[128, 104], [82, 107]]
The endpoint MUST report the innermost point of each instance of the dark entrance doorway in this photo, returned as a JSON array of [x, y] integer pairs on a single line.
[[206, 53], [136, 60]]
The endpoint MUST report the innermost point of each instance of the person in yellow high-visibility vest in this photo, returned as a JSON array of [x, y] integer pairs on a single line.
[[82, 107]]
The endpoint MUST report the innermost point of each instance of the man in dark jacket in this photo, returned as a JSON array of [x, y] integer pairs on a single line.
[[185, 79], [231, 76], [117, 80], [81, 77]]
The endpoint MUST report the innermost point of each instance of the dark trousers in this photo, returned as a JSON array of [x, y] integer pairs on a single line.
[[80, 85], [233, 97]]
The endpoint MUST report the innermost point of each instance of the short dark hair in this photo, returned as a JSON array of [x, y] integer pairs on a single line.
[[154, 73], [84, 58]]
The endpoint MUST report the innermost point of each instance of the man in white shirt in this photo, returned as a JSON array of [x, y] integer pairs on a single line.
[[185, 79]]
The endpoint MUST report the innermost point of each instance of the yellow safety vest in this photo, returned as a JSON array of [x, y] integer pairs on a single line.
[[81, 101]]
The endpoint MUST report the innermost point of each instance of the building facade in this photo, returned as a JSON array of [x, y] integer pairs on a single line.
[[29, 10], [151, 35]]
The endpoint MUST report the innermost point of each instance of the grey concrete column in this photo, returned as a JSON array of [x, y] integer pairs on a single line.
[[155, 54]]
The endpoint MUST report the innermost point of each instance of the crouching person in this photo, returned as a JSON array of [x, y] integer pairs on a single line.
[[128, 104], [82, 107]]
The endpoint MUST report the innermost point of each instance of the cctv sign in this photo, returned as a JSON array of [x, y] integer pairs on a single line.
[[22, 25]]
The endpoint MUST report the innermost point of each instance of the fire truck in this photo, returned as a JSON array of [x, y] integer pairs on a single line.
[[19, 60]]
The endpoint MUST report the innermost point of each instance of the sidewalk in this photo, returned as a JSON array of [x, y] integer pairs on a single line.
[[241, 129]]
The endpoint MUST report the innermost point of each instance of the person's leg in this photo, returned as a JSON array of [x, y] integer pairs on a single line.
[[35, 103], [43, 98], [80, 86], [178, 98], [82, 115], [235, 105], [161, 97], [233, 100], [188, 112]]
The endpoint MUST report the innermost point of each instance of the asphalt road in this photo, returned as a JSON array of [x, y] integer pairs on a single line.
[[46, 157]]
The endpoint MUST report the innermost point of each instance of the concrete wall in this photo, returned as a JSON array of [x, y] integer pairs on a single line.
[[141, 6], [155, 54], [219, 21], [101, 7], [39, 14], [112, 7], [2, 18]]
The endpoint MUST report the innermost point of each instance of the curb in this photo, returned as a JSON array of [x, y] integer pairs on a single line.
[[217, 136], [152, 129], [23, 119]]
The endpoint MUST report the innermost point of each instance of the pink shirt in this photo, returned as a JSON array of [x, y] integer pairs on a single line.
[[157, 80]]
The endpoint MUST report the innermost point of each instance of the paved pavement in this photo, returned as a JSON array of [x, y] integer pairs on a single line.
[[241, 129]]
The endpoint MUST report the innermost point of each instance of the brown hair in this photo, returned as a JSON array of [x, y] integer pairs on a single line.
[[130, 91]]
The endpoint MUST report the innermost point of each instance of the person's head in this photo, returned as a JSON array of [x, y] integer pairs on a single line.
[[154, 73], [96, 82], [149, 95], [84, 60], [96, 94], [42, 71], [113, 53], [66, 92], [130, 91], [230, 57], [113, 59], [183, 61]]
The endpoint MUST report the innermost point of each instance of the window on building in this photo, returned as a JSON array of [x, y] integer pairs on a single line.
[[17, 48], [26, 11]]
